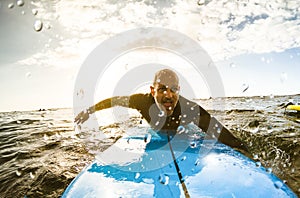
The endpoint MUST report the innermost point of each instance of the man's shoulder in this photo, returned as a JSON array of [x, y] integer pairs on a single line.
[[183, 99], [141, 97]]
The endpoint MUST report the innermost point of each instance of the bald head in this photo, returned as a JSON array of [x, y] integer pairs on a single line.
[[165, 90], [166, 77]]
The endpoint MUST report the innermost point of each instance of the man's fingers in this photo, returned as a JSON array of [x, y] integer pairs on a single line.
[[81, 117]]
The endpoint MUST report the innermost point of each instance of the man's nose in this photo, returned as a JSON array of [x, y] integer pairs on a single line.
[[168, 93]]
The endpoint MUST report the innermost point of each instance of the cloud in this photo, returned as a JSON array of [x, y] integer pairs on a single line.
[[223, 28]]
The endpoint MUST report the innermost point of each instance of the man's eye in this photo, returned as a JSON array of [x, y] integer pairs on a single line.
[[162, 89], [175, 90]]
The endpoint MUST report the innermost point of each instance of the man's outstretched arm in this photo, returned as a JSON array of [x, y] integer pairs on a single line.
[[104, 104]]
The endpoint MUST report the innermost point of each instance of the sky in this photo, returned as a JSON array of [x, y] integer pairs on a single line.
[[254, 44]]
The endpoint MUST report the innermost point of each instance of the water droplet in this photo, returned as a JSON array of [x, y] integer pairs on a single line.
[[57, 135], [80, 93], [278, 184], [164, 179], [28, 75], [157, 123], [38, 25], [32, 176], [232, 65], [283, 77], [255, 157], [258, 164], [198, 162], [193, 144], [20, 3], [183, 158], [173, 11], [201, 2], [245, 87], [148, 180], [137, 175], [18, 122], [50, 124], [184, 116], [269, 170], [34, 11], [161, 114], [46, 137], [47, 26], [180, 129], [11, 5], [192, 108], [23, 12], [218, 130], [18, 173], [147, 138]]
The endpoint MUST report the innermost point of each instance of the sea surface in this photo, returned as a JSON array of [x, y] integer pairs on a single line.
[[42, 151]]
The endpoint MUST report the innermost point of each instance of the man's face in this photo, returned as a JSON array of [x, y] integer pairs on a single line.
[[165, 96]]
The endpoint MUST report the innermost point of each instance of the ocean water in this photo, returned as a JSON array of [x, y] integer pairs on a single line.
[[42, 151]]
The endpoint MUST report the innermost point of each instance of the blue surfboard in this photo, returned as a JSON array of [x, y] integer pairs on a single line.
[[163, 164]]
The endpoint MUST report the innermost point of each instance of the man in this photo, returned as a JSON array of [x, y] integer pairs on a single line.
[[165, 109]]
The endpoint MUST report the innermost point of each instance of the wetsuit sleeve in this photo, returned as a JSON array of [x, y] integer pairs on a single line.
[[216, 130], [135, 101], [112, 102]]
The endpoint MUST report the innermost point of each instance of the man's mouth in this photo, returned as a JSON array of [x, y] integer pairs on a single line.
[[168, 105]]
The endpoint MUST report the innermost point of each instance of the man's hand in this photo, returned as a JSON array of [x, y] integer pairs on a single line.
[[82, 117]]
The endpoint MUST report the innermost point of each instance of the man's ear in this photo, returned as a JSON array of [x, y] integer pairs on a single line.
[[152, 90]]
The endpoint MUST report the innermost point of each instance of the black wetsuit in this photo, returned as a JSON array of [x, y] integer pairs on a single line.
[[184, 113]]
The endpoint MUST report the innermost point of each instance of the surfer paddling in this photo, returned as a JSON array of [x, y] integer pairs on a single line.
[[165, 109]]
